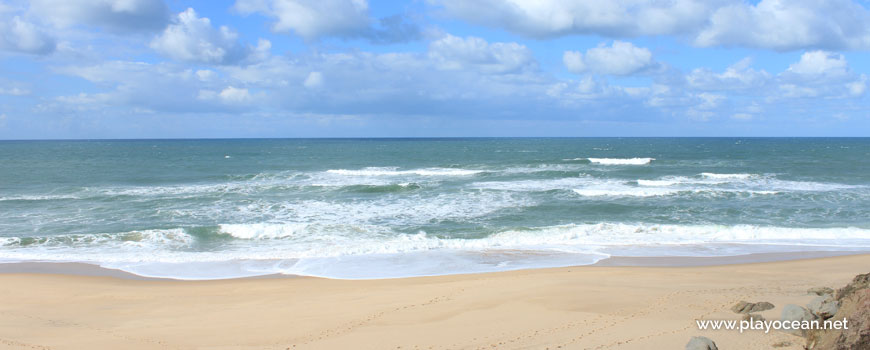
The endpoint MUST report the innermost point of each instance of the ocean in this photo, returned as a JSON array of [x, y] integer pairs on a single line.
[[383, 208]]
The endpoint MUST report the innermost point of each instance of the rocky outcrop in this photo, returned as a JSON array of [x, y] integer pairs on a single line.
[[820, 290], [744, 307], [854, 306]]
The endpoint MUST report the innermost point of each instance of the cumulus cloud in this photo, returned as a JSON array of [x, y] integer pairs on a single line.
[[820, 74], [234, 95], [770, 24], [314, 19], [820, 63], [789, 25], [451, 52], [114, 15], [468, 78], [205, 74], [192, 38], [18, 35], [621, 58], [163, 87], [739, 76], [617, 18], [314, 80]]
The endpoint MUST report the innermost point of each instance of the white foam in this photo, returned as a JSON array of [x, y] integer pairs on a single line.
[[621, 161], [390, 171], [728, 176], [657, 183], [534, 185], [37, 197], [290, 248], [624, 191], [262, 231]]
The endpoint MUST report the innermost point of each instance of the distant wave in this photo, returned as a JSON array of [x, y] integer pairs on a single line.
[[625, 192], [728, 176], [375, 171], [621, 161], [157, 238], [37, 198], [748, 182]]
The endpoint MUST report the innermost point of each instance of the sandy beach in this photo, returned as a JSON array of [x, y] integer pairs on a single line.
[[590, 307]]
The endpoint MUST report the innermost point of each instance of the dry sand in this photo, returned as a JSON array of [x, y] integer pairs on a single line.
[[591, 307]]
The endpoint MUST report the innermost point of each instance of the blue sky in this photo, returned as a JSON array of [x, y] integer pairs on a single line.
[[355, 68]]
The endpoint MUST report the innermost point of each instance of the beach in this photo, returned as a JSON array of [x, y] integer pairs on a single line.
[[584, 307]]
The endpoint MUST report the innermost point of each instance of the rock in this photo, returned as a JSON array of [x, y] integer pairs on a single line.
[[701, 343], [854, 301], [744, 307], [781, 344], [824, 306], [752, 317], [820, 291], [792, 312], [859, 282]]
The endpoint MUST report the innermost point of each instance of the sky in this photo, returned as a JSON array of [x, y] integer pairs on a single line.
[[89, 69]]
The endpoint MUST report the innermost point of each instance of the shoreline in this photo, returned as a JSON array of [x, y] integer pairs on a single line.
[[94, 270], [581, 307]]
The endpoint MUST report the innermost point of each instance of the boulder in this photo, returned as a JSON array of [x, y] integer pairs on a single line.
[[820, 291], [792, 312], [824, 306], [701, 343], [744, 307]]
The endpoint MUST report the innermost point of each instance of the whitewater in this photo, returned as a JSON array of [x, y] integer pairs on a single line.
[[383, 208]]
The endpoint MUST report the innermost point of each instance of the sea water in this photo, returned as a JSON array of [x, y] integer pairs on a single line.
[[378, 208]]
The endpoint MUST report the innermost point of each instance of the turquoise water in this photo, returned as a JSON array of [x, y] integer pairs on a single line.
[[370, 208]]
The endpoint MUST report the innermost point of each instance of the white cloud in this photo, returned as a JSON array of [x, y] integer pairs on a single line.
[[234, 95], [312, 19], [789, 25], [115, 15], [205, 74], [821, 74], [820, 63], [621, 58], [858, 87], [461, 77], [315, 19], [616, 18], [739, 76], [192, 38], [451, 52], [18, 35], [742, 116], [14, 91], [770, 24], [314, 80], [588, 90], [2, 120]]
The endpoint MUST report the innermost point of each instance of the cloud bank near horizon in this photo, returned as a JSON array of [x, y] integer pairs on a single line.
[[271, 68]]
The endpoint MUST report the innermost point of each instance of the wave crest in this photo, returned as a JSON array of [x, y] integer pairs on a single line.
[[621, 161]]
